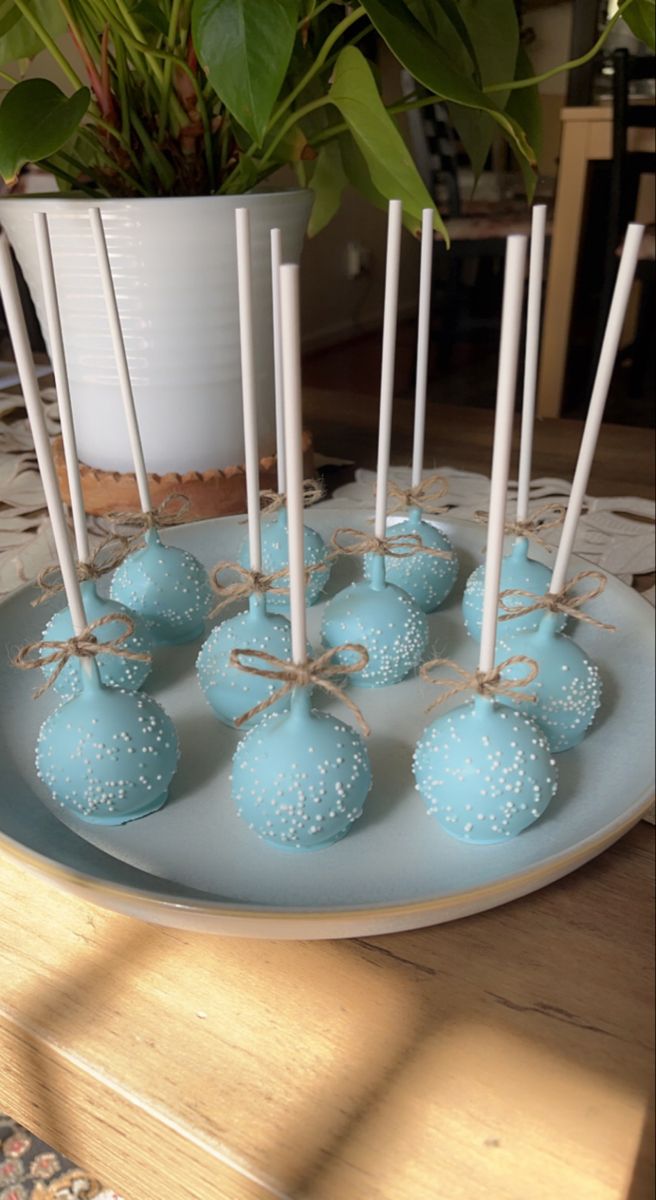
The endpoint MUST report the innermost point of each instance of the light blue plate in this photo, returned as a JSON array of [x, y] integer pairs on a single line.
[[196, 865]]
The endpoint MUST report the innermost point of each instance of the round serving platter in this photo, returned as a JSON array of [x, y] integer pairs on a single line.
[[196, 865]]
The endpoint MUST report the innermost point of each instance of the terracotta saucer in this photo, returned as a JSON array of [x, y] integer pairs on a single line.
[[218, 493]]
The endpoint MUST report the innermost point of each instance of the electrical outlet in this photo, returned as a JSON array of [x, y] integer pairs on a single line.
[[358, 260]]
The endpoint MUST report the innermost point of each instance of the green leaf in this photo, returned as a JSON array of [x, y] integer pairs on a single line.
[[357, 174], [150, 14], [9, 15], [425, 59], [452, 10], [494, 30], [389, 162], [476, 131], [36, 119], [245, 49], [641, 19], [293, 147], [328, 182], [524, 106], [443, 22], [17, 37]]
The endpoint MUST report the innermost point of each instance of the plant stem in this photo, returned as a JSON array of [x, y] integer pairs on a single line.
[[49, 44], [399, 106], [133, 28], [150, 52], [568, 66], [353, 41], [292, 120], [61, 174], [121, 79], [73, 162], [317, 64], [103, 156], [315, 13], [158, 162], [168, 69], [8, 77]]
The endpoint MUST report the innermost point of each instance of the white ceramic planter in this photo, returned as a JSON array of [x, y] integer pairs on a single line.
[[175, 271]]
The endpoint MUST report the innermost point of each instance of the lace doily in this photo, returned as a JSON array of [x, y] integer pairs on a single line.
[[616, 533], [26, 544]]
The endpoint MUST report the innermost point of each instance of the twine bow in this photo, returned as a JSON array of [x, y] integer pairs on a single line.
[[484, 683], [320, 672], [83, 645], [271, 502], [50, 579], [533, 526], [399, 545], [248, 583], [566, 601], [173, 510], [425, 495]]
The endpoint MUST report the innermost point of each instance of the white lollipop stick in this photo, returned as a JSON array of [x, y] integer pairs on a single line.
[[423, 339], [511, 317], [246, 342], [395, 214], [25, 364], [120, 356], [533, 309], [598, 398], [60, 372], [291, 365], [276, 260]]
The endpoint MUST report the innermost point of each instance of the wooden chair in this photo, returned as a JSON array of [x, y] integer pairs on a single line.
[[478, 229]]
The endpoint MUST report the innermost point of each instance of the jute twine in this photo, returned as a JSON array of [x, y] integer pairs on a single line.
[[484, 683], [533, 526], [400, 545], [271, 502], [252, 583], [315, 672], [172, 511], [565, 601], [425, 495], [50, 578], [247, 583], [83, 645]]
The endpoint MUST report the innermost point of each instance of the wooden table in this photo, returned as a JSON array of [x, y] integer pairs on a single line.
[[505, 1056], [586, 136], [346, 426]]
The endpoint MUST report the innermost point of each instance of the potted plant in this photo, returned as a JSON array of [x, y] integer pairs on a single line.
[[182, 110]]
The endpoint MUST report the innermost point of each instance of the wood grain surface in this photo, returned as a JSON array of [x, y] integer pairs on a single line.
[[346, 426], [505, 1055]]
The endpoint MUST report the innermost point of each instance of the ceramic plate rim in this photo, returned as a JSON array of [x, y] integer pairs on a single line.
[[551, 868]]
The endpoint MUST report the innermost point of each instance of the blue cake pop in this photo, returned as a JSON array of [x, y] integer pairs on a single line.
[[300, 779], [382, 618], [484, 771], [427, 578], [128, 673], [274, 534], [232, 692], [568, 687], [107, 756], [517, 571], [167, 587]]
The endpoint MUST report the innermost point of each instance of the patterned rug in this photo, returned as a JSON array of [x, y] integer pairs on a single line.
[[30, 1170]]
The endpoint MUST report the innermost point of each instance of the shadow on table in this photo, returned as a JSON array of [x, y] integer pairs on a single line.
[[486, 1041]]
